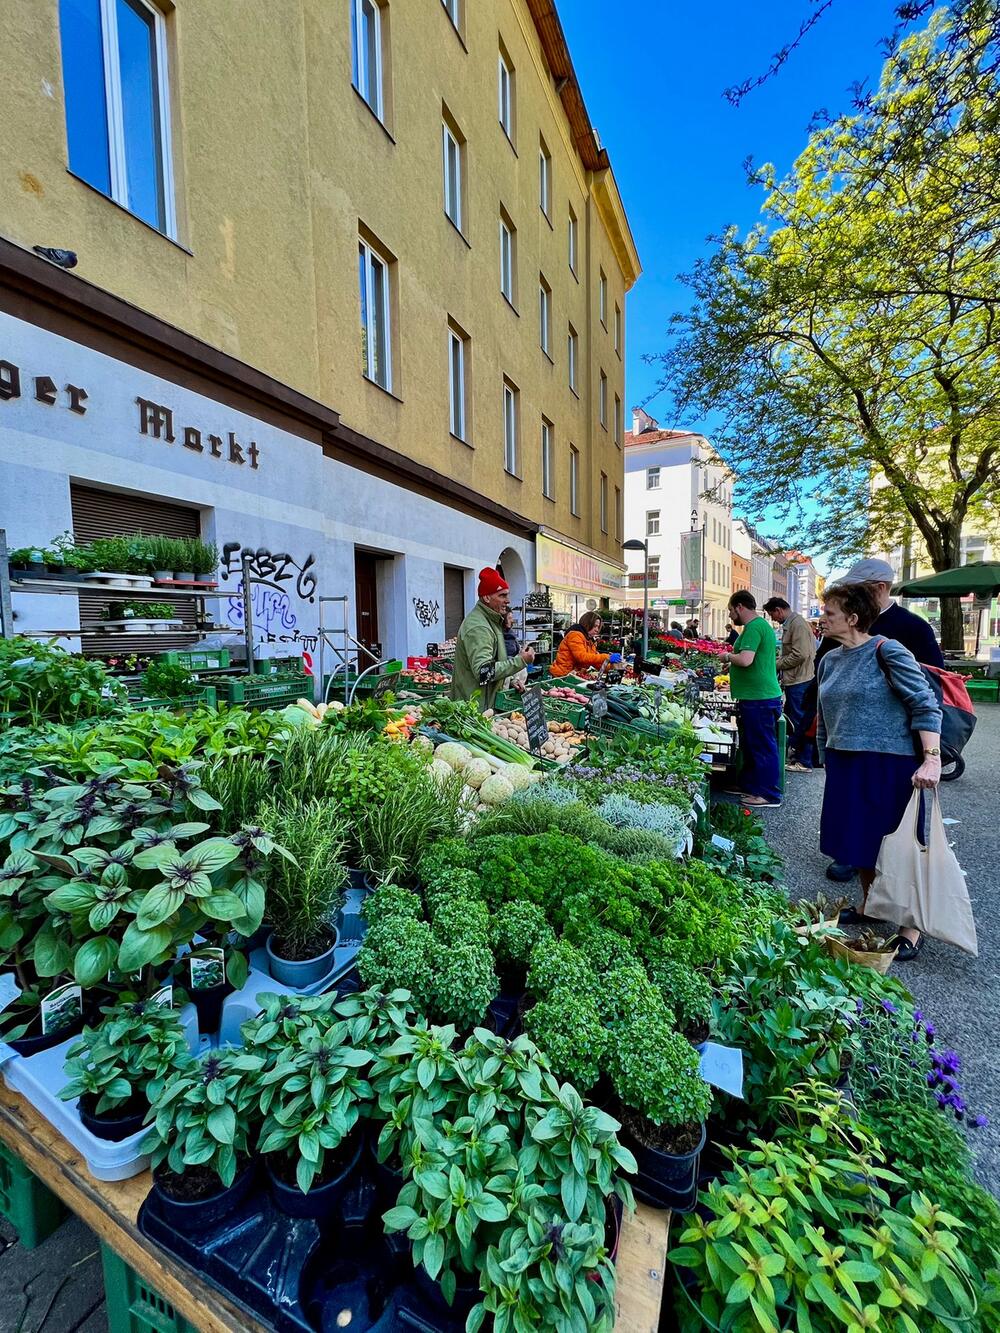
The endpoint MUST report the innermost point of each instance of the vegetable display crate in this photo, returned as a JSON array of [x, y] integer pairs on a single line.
[[983, 691], [196, 659], [206, 697], [133, 1306], [29, 1206], [562, 710], [264, 691], [278, 666]]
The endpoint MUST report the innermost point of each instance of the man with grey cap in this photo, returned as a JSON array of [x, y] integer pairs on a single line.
[[894, 621]]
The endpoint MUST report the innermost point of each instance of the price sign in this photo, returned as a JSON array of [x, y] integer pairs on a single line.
[[385, 684], [535, 721], [599, 703]]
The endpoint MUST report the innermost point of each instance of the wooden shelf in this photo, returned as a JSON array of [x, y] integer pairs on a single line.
[[110, 1209]]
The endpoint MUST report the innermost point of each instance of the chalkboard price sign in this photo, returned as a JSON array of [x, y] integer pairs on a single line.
[[534, 719], [599, 704]]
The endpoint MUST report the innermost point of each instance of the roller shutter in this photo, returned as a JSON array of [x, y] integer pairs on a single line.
[[98, 513]]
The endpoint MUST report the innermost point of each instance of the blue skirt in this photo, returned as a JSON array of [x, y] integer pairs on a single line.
[[864, 799]]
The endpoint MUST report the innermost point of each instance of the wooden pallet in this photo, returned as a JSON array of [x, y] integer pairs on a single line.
[[110, 1210]]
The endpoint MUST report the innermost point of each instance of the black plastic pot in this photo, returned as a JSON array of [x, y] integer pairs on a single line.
[[31, 1045], [322, 1200], [665, 1180], [423, 1300], [110, 1125], [208, 1003], [201, 1214]]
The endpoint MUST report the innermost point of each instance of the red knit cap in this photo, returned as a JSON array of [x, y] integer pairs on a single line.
[[490, 582]]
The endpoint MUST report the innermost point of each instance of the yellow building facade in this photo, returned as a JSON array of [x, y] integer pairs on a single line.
[[312, 147]]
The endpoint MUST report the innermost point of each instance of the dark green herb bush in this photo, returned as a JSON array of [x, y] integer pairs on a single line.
[[464, 983], [685, 991], [567, 1027], [40, 683], [161, 680], [307, 879], [656, 1072], [129, 1055], [514, 930]]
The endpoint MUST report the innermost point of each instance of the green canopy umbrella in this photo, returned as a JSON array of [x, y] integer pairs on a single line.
[[982, 580]]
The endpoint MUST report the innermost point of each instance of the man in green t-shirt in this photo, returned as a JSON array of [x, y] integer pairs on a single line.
[[753, 683]]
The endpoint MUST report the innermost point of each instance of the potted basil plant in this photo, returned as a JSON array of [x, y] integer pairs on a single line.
[[118, 1067]]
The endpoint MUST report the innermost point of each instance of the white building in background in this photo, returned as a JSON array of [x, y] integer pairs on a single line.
[[805, 585], [747, 542], [674, 481]]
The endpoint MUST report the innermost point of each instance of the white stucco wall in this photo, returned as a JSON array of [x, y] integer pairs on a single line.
[[296, 501]]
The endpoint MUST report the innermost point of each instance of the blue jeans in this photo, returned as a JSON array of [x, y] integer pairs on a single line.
[[799, 744], [758, 722]]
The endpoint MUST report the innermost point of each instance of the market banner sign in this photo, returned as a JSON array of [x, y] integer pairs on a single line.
[[691, 563], [560, 566]]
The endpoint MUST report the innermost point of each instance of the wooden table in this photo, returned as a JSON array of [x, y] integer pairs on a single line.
[[110, 1210]]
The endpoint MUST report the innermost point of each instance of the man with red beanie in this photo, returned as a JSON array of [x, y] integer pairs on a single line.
[[481, 661]]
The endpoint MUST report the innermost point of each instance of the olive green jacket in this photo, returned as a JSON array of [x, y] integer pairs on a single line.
[[480, 645]]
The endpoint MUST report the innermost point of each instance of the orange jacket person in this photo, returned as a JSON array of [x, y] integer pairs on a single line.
[[576, 652]]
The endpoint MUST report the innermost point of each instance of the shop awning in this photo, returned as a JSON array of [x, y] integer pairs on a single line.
[[981, 580]]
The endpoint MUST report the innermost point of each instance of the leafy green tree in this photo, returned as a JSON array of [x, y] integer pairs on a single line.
[[850, 343]]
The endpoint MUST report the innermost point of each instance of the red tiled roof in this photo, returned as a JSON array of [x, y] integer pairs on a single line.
[[652, 436]]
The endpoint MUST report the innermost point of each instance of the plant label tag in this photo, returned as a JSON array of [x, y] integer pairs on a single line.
[[699, 801], [723, 844], [722, 1067], [61, 1008], [207, 968], [164, 996], [9, 989], [599, 703]]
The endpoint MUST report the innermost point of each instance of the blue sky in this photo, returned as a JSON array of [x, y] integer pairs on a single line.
[[653, 74]]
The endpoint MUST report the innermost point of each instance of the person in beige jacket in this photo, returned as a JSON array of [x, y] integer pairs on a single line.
[[796, 659]]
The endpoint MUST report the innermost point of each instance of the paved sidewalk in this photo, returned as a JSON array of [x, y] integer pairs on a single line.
[[961, 995]]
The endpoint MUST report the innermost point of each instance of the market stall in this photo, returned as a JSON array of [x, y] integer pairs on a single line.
[[384, 1014]]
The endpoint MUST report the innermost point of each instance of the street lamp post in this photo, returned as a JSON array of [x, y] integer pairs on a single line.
[[643, 546]]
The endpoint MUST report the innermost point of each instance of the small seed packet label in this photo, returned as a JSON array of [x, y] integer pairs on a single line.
[[61, 1008], [722, 1067], [9, 990], [164, 996], [208, 968]]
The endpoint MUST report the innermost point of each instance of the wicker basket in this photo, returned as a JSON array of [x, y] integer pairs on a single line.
[[878, 962]]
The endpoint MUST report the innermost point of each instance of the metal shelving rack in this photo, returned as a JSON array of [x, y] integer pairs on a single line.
[[537, 622]]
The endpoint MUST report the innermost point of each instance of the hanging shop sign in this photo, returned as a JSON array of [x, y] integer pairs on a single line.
[[560, 566]]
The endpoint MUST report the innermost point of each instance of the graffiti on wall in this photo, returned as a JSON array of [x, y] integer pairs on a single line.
[[426, 612], [274, 618]]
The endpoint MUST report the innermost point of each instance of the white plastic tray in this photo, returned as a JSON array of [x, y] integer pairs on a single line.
[[41, 1077]]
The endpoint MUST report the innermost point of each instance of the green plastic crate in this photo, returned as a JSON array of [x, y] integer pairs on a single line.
[[264, 691], [29, 1206], [983, 691], [278, 666], [206, 697], [133, 1306], [197, 659]]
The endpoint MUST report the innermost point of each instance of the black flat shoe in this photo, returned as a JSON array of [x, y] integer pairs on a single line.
[[839, 873], [906, 950], [850, 916]]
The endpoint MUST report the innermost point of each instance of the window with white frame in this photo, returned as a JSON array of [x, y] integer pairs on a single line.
[[507, 258], [452, 161], [652, 523], [547, 490], [618, 328], [652, 479], [602, 298], [618, 420], [510, 451], [604, 503], [573, 234], [115, 87], [505, 94], [603, 400], [457, 385], [376, 332], [653, 571], [544, 179], [366, 22], [572, 351], [574, 480], [544, 315]]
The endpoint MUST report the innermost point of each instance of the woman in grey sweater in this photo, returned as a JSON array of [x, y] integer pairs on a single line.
[[874, 732]]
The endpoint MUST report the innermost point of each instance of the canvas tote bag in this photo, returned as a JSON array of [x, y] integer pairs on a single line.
[[923, 886]]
